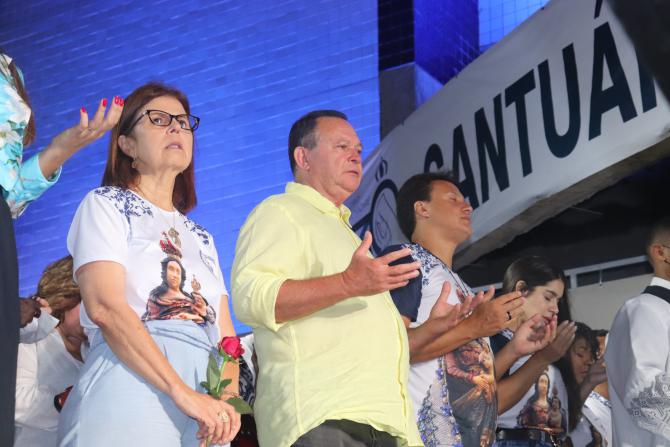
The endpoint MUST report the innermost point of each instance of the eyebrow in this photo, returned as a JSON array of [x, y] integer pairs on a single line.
[[347, 141]]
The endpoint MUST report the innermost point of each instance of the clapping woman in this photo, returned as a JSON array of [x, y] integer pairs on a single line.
[[21, 182], [154, 300]]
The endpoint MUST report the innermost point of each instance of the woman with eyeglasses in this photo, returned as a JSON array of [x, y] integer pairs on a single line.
[[154, 300], [22, 182]]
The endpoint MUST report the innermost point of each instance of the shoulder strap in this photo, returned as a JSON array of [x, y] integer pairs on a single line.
[[659, 291]]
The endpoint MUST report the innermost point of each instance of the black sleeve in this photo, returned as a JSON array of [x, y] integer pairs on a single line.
[[498, 342], [408, 298]]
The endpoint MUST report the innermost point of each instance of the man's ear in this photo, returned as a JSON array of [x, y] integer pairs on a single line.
[[301, 158], [421, 209], [656, 252]]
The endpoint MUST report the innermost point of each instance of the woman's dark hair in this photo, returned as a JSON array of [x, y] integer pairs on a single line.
[[565, 367], [534, 271], [164, 287], [119, 171], [16, 81], [417, 188], [537, 271]]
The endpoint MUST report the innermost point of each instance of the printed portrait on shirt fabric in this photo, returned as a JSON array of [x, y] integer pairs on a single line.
[[543, 411], [472, 389], [169, 300]]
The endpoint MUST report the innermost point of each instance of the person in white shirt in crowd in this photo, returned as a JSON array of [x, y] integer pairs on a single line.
[[638, 355], [453, 372], [533, 397], [539, 398], [594, 428], [154, 299], [50, 365]]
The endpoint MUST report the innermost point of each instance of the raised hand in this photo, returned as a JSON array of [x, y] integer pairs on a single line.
[[596, 373], [565, 335], [369, 276], [71, 140], [492, 316], [86, 132], [44, 304], [534, 334], [449, 315], [29, 309]]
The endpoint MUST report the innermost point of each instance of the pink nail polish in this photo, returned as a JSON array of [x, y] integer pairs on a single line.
[[83, 110], [121, 102], [104, 102]]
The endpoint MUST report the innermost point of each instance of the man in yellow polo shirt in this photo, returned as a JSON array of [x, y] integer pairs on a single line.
[[332, 348]]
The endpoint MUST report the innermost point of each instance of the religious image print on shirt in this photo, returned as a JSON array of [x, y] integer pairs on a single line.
[[472, 389], [169, 300], [542, 410]]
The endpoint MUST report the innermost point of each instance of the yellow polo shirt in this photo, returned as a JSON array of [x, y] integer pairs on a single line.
[[348, 361]]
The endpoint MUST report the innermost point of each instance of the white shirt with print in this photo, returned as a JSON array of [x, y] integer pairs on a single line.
[[544, 406], [117, 225], [451, 409]]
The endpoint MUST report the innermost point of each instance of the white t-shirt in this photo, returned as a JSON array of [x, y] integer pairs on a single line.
[[168, 275], [545, 404], [594, 428], [451, 408], [638, 370]]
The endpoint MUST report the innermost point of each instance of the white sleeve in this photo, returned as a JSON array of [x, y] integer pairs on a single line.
[[636, 357], [38, 328], [99, 231], [34, 402]]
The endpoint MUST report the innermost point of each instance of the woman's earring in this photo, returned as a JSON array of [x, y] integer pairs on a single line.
[[134, 164]]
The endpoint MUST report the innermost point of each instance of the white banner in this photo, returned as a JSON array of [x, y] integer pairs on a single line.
[[554, 112]]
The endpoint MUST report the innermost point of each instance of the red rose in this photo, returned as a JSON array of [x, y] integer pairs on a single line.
[[231, 346]]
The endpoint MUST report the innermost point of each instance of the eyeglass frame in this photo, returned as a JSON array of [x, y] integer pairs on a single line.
[[172, 117]]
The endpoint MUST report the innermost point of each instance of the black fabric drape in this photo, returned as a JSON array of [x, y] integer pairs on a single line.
[[9, 324]]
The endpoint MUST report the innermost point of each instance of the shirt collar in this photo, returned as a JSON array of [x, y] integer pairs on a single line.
[[656, 281], [317, 200]]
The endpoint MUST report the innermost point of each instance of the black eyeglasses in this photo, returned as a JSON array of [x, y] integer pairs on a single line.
[[164, 119]]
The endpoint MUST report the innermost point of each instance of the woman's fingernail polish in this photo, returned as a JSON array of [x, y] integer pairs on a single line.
[[121, 102], [104, 102], [83, 110]]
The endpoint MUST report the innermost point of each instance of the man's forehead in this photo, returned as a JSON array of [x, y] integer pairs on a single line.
[[334, 127], [445, 186]]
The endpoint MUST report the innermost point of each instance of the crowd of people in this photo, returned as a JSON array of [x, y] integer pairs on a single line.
[[347, 350]]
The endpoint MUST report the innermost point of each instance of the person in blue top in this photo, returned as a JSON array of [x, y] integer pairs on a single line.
[[21, 182]]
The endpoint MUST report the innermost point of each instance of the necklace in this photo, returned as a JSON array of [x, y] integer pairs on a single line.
[[172, 232]]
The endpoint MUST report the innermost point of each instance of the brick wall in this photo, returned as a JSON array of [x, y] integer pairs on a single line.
[[446, 36], [250, 69], [499, 17]]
